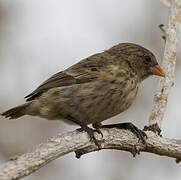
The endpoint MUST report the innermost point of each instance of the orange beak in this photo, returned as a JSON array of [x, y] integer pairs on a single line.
[[156, 70]]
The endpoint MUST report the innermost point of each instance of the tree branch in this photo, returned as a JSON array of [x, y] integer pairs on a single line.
[[168, 64], [79, 141]]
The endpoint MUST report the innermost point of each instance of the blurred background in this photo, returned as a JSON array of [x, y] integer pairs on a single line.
[[41, 37]]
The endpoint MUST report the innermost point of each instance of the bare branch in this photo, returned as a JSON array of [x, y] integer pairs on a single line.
[[168, 64], [79, 142]]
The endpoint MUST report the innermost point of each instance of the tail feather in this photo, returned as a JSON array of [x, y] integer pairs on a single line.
[[16, 112]]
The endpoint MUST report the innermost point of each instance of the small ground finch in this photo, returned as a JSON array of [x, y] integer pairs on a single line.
[[93, 90]]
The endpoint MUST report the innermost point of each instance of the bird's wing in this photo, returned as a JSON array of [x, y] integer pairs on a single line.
[[85, 71]]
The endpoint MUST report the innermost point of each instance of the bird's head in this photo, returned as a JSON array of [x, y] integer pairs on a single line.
[[141, 60]]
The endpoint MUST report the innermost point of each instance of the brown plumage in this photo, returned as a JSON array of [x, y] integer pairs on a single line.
[[93, 90]]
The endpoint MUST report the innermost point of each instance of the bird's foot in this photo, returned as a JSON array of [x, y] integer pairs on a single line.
[[154, 127], [90, 132], [141, 135], [84, 127], [97, 126]]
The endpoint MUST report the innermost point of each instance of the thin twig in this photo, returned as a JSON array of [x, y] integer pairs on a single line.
[[79, 141], [168, 64]]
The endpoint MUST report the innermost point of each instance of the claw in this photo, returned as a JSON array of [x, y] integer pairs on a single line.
[[154, 127], [91, 132], [84, 127], [141, 135], [99, 132]]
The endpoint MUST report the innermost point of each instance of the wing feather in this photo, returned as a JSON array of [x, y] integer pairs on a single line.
[[85, 71]]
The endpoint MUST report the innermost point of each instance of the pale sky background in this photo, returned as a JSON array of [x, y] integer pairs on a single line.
[[41, 37]]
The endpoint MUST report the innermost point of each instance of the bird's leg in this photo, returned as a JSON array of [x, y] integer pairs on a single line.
[[84, 127], [141, 135], [97, 126], [154, 127]]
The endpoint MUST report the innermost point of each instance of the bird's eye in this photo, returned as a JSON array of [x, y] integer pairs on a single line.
[[147, 59]]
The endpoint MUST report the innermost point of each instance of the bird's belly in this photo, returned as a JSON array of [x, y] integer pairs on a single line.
[[110, 106], [85, 102], [96, 105]]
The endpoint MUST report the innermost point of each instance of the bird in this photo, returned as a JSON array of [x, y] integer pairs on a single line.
[[93, 90]]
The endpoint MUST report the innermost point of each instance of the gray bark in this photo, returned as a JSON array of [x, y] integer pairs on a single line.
[[69, 142]]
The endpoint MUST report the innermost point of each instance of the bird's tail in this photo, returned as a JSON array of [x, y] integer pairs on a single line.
[[16, 112]]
